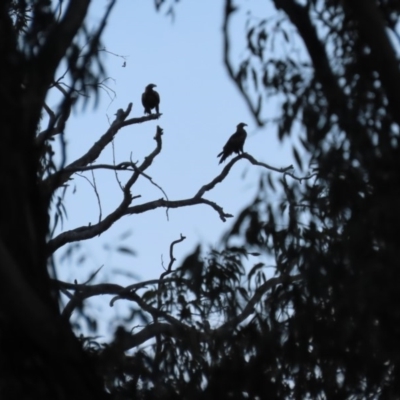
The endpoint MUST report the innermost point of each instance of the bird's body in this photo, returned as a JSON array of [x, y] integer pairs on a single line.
[[235, 143], [150, 99]]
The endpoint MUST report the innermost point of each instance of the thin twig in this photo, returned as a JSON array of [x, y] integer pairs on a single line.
[[160, 290], [149, 178], [87, 232], [93, 185], [229, 10], [172, 259], [61, 177], [115, 169]]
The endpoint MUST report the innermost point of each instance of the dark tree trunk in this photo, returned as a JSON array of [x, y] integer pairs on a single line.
[[40, 358]]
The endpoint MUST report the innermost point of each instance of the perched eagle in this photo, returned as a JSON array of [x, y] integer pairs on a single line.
[[235, 143], [150, 99]]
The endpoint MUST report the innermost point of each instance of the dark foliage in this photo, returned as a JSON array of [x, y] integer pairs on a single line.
[[334, 332]]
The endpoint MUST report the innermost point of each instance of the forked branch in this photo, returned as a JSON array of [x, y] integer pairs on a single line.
[[61, 177], [87, 232]]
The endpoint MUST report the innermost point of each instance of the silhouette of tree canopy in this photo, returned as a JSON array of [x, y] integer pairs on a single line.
[[300, 301], [334, 68]]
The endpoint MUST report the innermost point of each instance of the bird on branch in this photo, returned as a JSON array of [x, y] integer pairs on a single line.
[[235, 143], [150, 99]]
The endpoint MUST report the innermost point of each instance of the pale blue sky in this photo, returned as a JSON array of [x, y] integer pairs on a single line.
[[201, 108]]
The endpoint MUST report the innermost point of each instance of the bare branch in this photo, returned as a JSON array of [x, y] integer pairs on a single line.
[[283, 170], [84, 291], [152, 205], [50, 131], [198, 199], [123, 166], [93, 185], [58, 85], [172, 259], [125, 58], [149, 178], [115, 170], [60, 118], [229, 10], [160, 289], [92, 154], [49, 111], [227, 168], [87, 232], [61, 177], [140, 120]]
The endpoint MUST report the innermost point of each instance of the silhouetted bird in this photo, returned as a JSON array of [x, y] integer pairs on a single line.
[[235, 143], [150, 99]]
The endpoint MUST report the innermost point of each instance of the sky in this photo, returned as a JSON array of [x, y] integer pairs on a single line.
[[201, 107]]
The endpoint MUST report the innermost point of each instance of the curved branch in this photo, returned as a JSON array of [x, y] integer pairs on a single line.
[[57, 121], [129, 340], [224, 173], [160, 289], [230, 9], [174, 327], [154, 312], [172, 259], [123, 166], [88, 232], [82, 294], [152, 205], [84, 291], [61, 177], [96, 192], [283, 170]]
